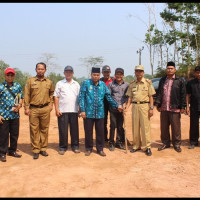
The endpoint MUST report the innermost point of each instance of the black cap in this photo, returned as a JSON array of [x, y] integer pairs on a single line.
[[95, 70], [197, 68], [106, 68], [119, 70], [68, 68], [171, 64]]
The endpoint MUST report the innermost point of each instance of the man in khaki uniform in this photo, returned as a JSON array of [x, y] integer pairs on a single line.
[[140, 94], [38, 103]]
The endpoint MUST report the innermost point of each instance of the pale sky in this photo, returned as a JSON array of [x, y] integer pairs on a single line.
[[72, 31]]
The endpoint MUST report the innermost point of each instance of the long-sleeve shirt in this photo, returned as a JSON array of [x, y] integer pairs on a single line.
[[38, 92], [91, 98], [7, 101], [118, 91]]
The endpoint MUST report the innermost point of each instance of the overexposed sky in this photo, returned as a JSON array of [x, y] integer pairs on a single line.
[[72, 31]]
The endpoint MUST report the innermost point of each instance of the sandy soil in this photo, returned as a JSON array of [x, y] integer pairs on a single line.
[[119, 174]]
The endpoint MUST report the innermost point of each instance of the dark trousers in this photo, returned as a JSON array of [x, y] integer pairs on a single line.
[[194, 126], [9, 128], [116, 121], [63, 121], [106, 109], [174, 119], [88, 126]]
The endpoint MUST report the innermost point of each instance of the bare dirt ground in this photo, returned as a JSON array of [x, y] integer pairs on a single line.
[[119, 174]]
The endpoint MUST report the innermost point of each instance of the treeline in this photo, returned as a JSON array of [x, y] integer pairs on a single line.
[[178, 40]]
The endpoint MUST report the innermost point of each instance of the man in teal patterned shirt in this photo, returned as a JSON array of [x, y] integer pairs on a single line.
[[91, 104], [10, 102]]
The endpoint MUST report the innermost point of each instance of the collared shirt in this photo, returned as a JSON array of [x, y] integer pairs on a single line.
[[118, 91], [167, 95], [140, 91], [68, 95], [91, 98], [7, 101], [193, 88], [38, 92]]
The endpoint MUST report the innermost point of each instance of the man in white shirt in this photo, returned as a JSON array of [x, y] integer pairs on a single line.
[[66, 107]]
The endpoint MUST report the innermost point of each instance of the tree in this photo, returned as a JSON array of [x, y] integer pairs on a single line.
[[3, 66], [49, 59], [90, 62]]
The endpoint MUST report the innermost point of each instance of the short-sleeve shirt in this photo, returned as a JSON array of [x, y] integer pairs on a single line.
[[193, 88], [7, 101], [68, 95], [140, 91], [38, 92]]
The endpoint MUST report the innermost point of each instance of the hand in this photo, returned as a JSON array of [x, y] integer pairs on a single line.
[[150, 113], [83, 115], [182, 111], [58, 113], [120, 108], [15, 109], [188, 111], [1, 118], [27, 112], [158, 109]]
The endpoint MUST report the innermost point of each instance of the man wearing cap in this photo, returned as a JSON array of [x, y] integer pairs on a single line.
[[66, 107], [171, 102], [106, 71], [140, 94], [91, 103], [193, 107], [10, 102], [38, 103], [118, 89]]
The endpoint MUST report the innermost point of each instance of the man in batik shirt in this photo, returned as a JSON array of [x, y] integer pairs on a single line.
[[91, 103]]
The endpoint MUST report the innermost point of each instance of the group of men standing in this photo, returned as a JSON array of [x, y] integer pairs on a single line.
[[92, 101]]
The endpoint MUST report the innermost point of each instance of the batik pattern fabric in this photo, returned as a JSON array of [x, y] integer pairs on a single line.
[[7, 101], [91, 99]]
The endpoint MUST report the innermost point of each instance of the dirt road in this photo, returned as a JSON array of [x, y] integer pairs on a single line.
[[164, 174]]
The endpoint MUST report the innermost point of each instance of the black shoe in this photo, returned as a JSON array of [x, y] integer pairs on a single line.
[[164, 146], [148, 152], [3, 158], [106, 140], [44, 153], [178, 149], [76, 150], [35, 155], [134, 150], [88, 152], [14, 154], [111, 147], [120, 146], [101, 153]]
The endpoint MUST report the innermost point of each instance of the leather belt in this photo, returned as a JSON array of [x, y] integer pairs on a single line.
[[39, 106], [140, 102]]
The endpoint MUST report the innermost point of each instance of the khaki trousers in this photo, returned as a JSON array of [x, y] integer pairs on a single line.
[[140, 120], [39, 126]]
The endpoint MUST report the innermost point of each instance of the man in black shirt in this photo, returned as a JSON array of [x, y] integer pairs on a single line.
[[193, 99]]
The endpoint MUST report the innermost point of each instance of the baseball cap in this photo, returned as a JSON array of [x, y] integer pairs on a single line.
[[9, 70], [69, 68], [106, 68], [119, 70], [139, 67]]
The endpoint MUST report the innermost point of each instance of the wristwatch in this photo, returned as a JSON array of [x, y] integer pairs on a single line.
[[151, 107]]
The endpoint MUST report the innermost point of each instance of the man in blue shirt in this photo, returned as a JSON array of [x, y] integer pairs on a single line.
[[10, 102], [91, 103]]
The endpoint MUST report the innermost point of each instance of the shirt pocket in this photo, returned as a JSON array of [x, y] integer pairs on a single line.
[[34, 86]]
